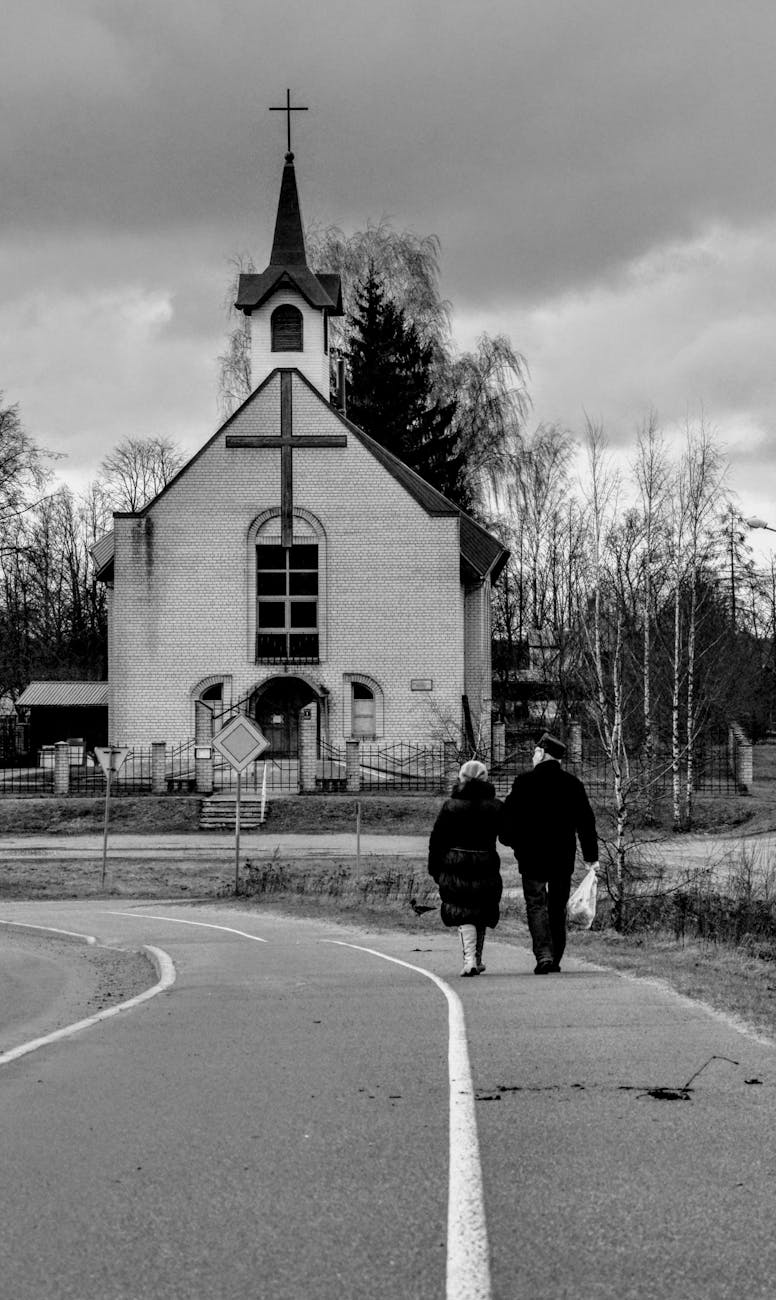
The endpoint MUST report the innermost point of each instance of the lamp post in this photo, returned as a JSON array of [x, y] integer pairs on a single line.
[[754, 522]]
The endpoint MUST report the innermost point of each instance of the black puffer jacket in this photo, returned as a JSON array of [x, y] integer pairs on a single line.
[[463, 858]]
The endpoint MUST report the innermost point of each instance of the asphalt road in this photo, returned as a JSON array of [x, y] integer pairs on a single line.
[[277, 1125]]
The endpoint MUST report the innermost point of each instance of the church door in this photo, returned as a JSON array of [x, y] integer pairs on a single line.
[[276, 709]]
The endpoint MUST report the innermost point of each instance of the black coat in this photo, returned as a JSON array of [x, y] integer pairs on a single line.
[[463, 858], [545, 812]]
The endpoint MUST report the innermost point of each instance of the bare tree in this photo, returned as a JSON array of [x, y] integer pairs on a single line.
[[651, 471], [22, 473], [605, 641], [137, 470]]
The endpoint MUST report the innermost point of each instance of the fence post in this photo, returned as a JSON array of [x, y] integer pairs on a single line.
[[353, 766], [740, 752], [203, 735], [308, 748], [61, 767], [158, 765], [498, 742]]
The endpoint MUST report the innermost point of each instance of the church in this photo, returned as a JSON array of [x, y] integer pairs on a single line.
[[294, 561]]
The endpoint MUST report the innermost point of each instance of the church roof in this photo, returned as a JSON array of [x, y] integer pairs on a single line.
[[319, 290], [288, 261], [482, 554]]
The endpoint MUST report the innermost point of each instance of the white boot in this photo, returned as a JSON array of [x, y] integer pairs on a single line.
[[478, 950], [468, 935]]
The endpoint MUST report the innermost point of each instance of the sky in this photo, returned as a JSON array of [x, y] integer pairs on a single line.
[[600, 175]]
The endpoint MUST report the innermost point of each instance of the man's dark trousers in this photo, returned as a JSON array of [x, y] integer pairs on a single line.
[[545, 906]]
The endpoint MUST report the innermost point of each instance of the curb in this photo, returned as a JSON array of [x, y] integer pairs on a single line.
[[72, 936], [165, 970]]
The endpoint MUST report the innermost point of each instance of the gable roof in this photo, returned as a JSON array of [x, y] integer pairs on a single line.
[[482, 555]]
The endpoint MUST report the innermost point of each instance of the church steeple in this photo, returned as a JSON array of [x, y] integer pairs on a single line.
[[288, 244], [289, 303]]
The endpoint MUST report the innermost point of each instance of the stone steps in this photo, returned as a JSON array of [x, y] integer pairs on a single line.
[[218, 813]]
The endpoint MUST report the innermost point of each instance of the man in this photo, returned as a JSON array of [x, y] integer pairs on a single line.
[[545, 813]]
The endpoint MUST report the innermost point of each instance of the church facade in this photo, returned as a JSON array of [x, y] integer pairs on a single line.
[[294, 560]]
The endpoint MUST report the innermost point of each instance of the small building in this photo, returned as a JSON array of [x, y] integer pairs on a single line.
[[72, 711]]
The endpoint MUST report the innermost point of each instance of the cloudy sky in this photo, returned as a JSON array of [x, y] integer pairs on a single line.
[[600, 174]]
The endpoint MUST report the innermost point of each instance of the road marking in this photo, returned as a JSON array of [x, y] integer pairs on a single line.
[[166, 972], [207, 925], [51, 929], [468, 1256]]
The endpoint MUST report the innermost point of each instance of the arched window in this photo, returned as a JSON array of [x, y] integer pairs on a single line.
[[363, 707], [287, 335], [363, 719]]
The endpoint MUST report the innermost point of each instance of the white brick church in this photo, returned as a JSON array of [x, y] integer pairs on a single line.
[[294, 561]]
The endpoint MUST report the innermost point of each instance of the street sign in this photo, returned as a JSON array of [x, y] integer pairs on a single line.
[[112, 758], [240, 742]]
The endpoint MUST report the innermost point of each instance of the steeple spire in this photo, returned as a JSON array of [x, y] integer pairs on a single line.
[[288, 245]]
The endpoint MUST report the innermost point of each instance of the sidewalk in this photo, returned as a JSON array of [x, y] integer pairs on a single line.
[[199, 845]]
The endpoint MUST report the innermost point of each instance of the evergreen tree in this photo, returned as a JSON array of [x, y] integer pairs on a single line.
[[390, 392]]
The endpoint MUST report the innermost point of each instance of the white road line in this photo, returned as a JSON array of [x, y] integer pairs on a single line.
[[468, 1256], [165, 970], [50, 929], [207, 925]]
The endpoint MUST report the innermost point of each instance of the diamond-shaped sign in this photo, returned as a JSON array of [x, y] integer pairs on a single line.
[[240, 742]]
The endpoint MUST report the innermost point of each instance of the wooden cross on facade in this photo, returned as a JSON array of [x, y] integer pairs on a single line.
[[288, 108], [287, 442]]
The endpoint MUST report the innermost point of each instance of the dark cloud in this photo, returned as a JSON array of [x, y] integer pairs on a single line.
[[599, 175]]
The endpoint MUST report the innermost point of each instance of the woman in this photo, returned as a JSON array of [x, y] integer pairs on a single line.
[[464, 861]]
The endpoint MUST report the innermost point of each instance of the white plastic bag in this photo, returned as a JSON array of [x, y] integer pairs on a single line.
[[581, 905]]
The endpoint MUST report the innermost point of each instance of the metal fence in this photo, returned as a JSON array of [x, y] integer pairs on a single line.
[[281, 776], [389, 768], [712, 770], [382, 768], [86, 777]]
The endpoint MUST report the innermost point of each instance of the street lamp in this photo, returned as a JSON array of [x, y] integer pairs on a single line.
[[759, 523]]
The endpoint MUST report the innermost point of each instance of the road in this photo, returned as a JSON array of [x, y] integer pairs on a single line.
[[279, 1124]]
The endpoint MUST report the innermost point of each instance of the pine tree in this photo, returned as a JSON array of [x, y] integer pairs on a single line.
[[390, 392]]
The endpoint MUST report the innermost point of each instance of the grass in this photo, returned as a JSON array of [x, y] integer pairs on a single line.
[[157, 814]]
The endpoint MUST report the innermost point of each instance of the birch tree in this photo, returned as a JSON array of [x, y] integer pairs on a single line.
[[651, 472]]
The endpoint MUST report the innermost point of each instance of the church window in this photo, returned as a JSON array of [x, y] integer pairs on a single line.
[[287, 331], [287, 603], [363, 718]]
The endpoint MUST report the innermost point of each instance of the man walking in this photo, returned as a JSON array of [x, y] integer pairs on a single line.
[[545, 813]]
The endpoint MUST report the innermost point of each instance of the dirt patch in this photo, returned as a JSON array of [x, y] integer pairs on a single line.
[[51, 982]]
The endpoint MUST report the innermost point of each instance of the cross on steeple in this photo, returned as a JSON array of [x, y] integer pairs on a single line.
[[288, 108], [287, 442]]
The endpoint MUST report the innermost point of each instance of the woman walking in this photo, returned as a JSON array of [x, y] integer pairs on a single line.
[[464, 861]]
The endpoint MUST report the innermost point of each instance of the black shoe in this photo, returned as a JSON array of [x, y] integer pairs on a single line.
[[555, 968], [544, 967]]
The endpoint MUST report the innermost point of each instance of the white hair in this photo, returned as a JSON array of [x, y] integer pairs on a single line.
[[473, 770]]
